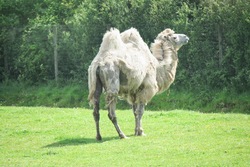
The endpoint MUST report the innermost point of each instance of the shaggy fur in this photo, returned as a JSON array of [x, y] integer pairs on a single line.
[[125, 67], [136, 64], [166, 54]]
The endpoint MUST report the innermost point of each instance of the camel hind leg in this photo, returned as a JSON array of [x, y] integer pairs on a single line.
[[109, 75], [96, 112], [112, 115]]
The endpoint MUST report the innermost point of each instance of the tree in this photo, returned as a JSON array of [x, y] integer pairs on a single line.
[[14, 17], [215, 58]]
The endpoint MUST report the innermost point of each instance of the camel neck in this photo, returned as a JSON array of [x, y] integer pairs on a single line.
[[166, 68]]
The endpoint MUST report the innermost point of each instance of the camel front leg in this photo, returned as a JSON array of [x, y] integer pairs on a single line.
[[112, 116], [138, 110]]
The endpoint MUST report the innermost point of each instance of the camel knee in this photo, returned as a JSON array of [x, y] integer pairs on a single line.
[[96, 116], [112, 117], [111, 98]]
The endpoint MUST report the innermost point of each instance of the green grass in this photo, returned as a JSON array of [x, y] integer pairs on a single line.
[[40, 136]]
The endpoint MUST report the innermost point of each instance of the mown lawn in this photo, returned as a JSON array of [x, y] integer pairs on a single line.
[[39, 136]]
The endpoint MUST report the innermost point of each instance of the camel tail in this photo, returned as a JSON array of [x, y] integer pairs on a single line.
[[92, 83]]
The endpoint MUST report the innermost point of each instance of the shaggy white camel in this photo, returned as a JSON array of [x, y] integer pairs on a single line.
[[125, 67]]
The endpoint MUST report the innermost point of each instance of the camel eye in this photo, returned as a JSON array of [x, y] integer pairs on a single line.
[[174, 38]]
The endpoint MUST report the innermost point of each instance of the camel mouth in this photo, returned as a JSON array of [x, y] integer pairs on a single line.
[[186, 40]]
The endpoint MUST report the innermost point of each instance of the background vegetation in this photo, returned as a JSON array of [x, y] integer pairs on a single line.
[[75, 95], [45, 41]]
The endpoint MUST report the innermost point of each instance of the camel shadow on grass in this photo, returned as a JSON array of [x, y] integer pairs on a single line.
[[78, 141]]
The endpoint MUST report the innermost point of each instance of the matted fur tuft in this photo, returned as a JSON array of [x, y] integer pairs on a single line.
[[157, 47], [163, 35]]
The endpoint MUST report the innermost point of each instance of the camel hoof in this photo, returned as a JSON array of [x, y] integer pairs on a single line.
[[140, 133], [143, 134], [98, 138], [123, 137]]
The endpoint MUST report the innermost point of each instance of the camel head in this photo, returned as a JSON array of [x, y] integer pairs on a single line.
[[177, 40]]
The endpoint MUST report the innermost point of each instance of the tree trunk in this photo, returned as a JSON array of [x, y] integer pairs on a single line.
[[6, 63]]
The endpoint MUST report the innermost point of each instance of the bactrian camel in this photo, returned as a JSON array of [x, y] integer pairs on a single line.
[[126, 68]]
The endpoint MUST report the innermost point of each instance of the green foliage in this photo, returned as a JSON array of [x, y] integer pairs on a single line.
[[203, 101], [216, 58], [51, 95], [66, 137], [35, 62], [217, 50]]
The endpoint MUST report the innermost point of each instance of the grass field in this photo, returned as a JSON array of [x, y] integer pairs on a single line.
[[39, 136]]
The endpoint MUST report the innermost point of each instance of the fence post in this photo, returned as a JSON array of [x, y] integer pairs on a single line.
[[55, 53], [220, 44]]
